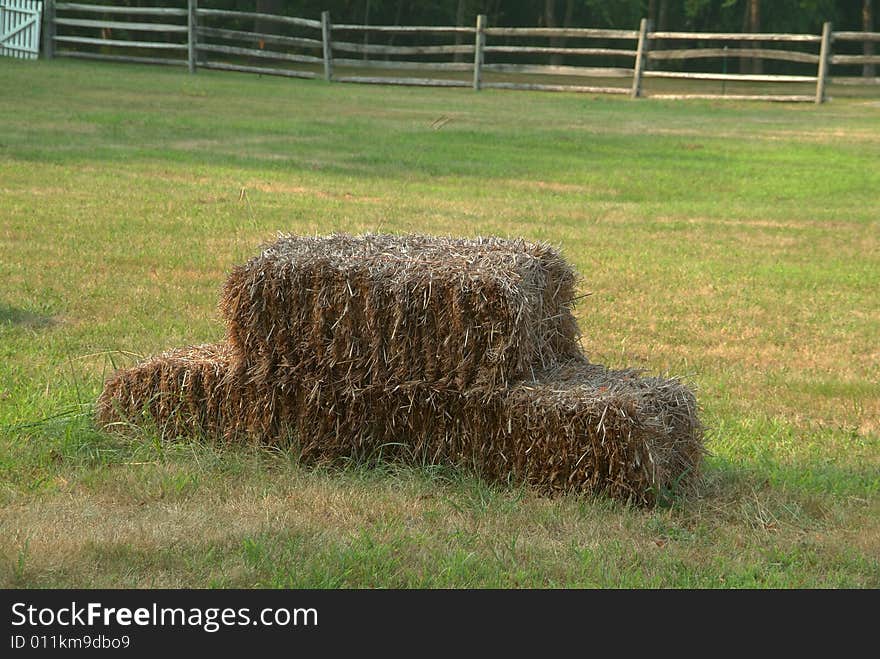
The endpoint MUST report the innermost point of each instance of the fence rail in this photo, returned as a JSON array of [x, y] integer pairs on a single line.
[[587, 60], [289, 20], [754, 53], [267, 38], [377, 49], [735, 36], [111, 9], [137, 27], [402, 29], [857, 36]]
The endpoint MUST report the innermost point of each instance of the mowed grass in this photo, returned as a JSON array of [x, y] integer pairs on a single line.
[[737, 245]]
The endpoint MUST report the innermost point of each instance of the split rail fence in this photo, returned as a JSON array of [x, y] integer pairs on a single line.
[[482, 57]]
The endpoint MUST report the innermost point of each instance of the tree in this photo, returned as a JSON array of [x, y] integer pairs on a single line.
[[753, 18], [751, 23], [268, 7], [658, 16], [461, 15], [551, 21], [868, 70]]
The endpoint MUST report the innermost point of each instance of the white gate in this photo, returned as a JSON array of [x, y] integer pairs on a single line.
[[20, 28]]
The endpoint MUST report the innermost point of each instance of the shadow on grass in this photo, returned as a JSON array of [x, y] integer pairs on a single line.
[[23, 318]]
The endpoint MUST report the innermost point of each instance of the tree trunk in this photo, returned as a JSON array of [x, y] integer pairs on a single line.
[[269, 7], [868, 70], [755, 26], [660, 23], [366, 22], [566, 21], [652, 22], [493, 12], [751, 23], [460, 17], [266, 27], [551, 21], [397, 12], [663, 16]]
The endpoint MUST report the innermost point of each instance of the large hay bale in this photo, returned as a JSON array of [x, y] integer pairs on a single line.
[[579, 427], [455, 313]]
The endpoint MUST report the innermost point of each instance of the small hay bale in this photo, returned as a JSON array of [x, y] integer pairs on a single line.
[[583, 427], [183, 392], [456, 313]]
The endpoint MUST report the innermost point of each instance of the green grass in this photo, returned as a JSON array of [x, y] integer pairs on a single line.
[[736, 244]]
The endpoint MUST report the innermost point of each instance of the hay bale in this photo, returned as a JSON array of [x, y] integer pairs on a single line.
[[183, 392], [578, 427], [422, 350], [582, 427], [456, 313]]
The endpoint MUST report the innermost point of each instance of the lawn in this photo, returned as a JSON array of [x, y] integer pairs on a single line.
[[734, 244]]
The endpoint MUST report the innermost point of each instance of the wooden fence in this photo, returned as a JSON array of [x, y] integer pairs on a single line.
[[481, 57]]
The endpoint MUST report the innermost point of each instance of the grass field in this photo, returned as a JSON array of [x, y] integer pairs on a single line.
[[737, 245]]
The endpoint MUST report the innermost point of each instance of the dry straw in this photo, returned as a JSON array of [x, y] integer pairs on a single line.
[[425, 350], [184, 391], [576, 428], [456, 313]]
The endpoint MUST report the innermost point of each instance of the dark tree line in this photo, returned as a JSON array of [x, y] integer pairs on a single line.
[[681, 15], [700, 15], [690, 15], [697, 15]]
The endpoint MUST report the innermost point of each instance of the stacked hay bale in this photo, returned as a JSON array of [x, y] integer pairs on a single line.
[[425, 349], [449, 313]]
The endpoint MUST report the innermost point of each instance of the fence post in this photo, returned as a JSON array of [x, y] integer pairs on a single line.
[[641, 55], [327, 44], [479, 45], [824, 61], [191, 30], [48, 29]]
